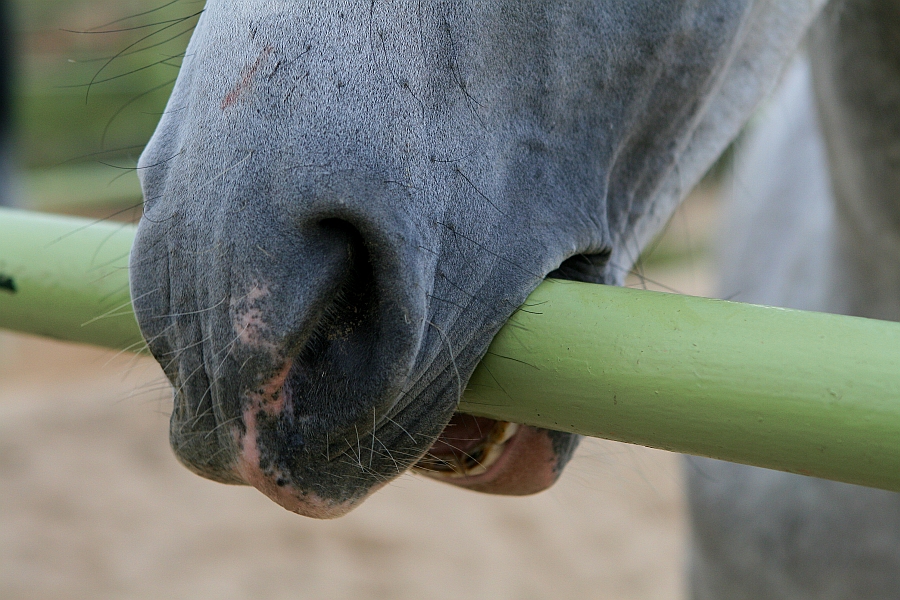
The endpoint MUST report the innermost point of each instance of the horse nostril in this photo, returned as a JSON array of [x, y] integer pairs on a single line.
[[589, 268], [354, 298]]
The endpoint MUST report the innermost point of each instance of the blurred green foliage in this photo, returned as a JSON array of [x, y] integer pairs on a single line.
[[86, 103], [93, 77]]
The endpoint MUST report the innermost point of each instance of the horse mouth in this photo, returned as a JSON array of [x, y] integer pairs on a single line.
[[468, 447], [496, 457]]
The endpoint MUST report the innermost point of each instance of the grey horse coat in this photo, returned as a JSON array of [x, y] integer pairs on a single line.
[[814, 224], [345, 201]]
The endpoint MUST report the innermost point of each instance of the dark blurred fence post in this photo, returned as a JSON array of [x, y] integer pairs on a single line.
[[7, 72]]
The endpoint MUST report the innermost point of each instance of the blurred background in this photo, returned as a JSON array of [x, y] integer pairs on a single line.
[[91, 81], [94, 505]]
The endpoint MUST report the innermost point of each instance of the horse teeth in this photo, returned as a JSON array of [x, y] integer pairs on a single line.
[[490, 455], [503, 430], [476, 461]]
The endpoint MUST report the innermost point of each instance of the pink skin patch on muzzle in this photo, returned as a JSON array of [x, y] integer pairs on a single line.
[[273, 484], [273, 400], [247, 313]]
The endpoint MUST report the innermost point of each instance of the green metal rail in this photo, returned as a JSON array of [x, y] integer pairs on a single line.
[[803, 392], [67, 278]]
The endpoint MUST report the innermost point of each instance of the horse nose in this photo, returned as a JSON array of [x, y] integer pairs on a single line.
[[289, 331], [329, 335]]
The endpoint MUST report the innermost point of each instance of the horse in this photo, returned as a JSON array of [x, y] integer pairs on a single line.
[[812, 225], [345, 202]]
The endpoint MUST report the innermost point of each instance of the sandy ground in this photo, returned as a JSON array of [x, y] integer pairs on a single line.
[[94, 505]]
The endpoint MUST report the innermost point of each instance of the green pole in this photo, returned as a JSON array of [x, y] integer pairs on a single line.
[[803, 392], [67, 278]]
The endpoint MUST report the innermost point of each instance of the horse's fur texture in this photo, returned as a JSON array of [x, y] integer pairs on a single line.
[[815, 224]]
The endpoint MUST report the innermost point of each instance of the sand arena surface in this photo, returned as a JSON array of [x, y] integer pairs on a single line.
[[94, 505]]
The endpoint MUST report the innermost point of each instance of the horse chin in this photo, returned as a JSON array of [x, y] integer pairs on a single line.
[[494, 457]]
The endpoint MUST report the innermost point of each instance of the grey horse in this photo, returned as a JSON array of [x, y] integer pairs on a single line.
[[814, 224], [345, 201]]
